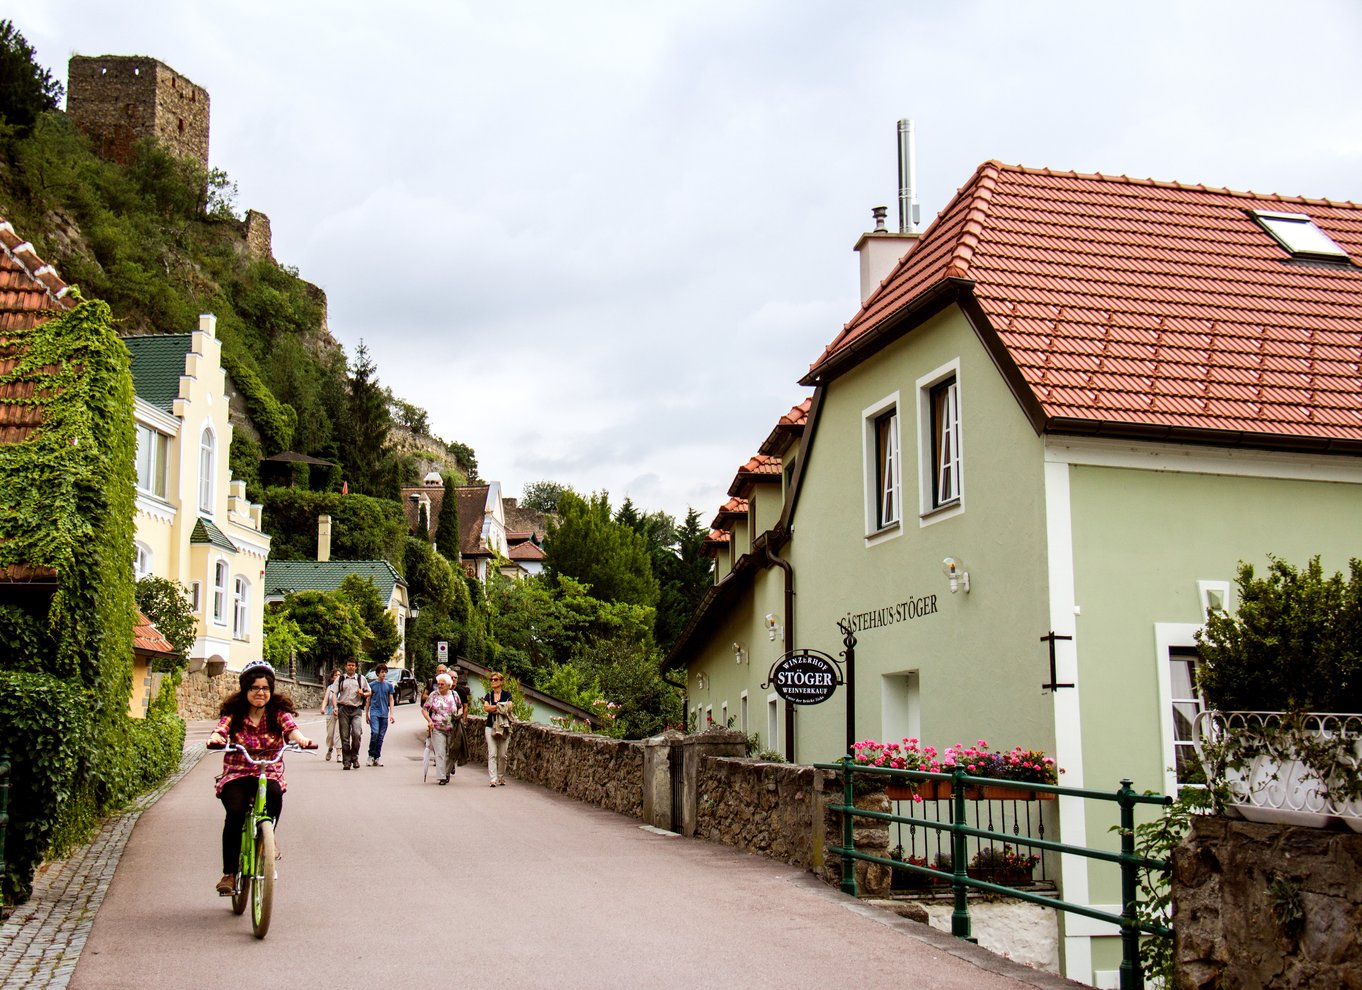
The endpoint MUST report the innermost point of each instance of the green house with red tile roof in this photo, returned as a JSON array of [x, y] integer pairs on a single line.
[[1073, 407]]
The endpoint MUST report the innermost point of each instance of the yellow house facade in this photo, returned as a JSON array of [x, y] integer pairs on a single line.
[[194, 524]]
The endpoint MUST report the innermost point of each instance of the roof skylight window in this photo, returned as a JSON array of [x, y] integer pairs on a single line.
[[1298, 234]]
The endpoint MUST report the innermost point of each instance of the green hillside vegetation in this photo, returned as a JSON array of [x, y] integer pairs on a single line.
[[160, 241]]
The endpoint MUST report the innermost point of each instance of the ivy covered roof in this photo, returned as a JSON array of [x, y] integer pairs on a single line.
[[283, 577], [157, 364]]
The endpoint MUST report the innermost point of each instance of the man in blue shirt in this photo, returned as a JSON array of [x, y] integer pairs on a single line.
[[380, 713]]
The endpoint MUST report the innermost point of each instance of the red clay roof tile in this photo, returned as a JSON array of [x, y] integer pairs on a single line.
[[1142, 302]]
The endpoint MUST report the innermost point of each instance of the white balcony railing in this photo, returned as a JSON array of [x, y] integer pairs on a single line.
[[1284, 767]]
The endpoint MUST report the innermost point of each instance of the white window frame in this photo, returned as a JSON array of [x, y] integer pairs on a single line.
[[723, 715], [878, 481], [772, 722], [241, 599], [221, 575], [931, 508], [207, 470], [195, 597], [1169, 636], [141, 561], [153, 461], [742, 707]]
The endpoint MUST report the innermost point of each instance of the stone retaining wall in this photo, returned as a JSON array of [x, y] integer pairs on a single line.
[[592, 769], [1269, 906], [201, 696]]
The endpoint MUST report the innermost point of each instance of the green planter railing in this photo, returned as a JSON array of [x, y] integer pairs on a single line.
[[1132, 976]]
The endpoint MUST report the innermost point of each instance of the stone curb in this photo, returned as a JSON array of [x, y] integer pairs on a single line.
[[41, 942]]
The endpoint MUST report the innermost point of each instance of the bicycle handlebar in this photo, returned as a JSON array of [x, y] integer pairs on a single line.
[[246, 753]]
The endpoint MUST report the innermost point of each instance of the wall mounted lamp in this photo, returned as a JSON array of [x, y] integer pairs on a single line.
[[701, 681], [739, 652], [772, 626], [954, 569]]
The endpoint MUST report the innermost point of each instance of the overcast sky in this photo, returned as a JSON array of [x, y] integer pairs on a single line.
[[600, 242]]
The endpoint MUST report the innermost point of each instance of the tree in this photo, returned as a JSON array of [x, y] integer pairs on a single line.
[[1295, 642], [423, 523], [26, 88], [334, 626], [586, 544], [543, 496], [447, 526], [684, 574], [285, 641], [366, 428], [381, 637], [166, 604]]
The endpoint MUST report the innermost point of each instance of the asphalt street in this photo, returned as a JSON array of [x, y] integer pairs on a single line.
[[388, 881]]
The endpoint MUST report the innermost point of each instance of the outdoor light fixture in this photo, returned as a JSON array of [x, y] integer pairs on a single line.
[[739, 654], [772, 626], [700, 680], [954, 569]]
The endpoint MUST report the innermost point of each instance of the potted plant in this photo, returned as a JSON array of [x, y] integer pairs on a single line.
[[906, 755], [1006, 866], [1030, 766], [907, 879]]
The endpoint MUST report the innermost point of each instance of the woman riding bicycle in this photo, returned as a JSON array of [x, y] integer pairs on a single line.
[[260, 720]]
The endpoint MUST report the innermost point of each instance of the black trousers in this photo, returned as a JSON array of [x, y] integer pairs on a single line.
[[237, 797]]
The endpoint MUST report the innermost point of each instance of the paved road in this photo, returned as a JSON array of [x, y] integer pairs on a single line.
[[390, 882]]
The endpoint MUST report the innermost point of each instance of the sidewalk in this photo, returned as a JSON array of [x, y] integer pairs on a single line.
[[41, 942]]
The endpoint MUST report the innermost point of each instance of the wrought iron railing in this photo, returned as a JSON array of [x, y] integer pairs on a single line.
[[960, 832]]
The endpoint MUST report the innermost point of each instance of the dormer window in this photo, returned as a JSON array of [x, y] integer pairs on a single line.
[[1298, 234]]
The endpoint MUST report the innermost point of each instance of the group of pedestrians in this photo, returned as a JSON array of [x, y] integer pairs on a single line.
[[448, 713], [446, 705], [350, 701]]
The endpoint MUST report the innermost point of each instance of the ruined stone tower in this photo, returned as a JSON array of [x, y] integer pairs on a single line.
[[117, 99]]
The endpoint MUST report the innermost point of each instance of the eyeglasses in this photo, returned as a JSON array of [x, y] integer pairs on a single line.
[[496, 680], [255, 689]]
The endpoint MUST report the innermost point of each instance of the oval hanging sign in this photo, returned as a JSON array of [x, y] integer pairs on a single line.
[[804, 679]]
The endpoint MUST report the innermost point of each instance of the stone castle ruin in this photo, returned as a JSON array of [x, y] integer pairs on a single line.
[[118, 99]]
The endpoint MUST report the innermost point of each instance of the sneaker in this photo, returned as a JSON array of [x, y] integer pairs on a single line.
[[227, 885], [501, 781], [378, 763], [372, 762], [328, 755]]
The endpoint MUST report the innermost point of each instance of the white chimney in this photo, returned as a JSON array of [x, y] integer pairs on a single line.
[[323, 539], [881, 249]]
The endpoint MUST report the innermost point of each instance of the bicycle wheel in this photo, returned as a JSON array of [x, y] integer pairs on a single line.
[[262, 890], [241, 896]]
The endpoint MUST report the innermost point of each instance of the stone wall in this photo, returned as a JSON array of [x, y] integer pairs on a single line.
[[607, 773], [255, 230], [201, 696], [117, 99], [1267, 906]]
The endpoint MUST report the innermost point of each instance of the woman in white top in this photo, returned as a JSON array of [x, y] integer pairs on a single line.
[[442, 710]]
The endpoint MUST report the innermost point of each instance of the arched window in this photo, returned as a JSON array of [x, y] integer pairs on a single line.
[[241, 592], [220, 592], [207, 452]]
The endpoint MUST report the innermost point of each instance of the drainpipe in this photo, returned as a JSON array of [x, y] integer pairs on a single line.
[[786, 566]]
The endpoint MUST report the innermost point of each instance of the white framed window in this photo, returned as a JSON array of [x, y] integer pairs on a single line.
[[1175, 655], [882, 458], [941, 456], [723, 716], [772, 722], [207, 457], [742, 710], [709, 716], [241, 591], [153, 455], [220, 592], [141, 561]]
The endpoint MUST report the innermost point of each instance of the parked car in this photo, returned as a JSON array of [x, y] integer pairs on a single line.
[[405, 686]]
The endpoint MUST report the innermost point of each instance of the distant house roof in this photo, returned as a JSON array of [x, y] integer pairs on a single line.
[[284, 577], [205, 532], [157, 365], [148, 640], [472, 502], [434, 495], [526, 550], [1138, 308]]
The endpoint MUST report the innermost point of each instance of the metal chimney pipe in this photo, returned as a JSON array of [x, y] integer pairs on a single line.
[[908, 208]]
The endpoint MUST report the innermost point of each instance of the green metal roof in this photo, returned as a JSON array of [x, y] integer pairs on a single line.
[[284, 577], [206, 532], [157, 364]]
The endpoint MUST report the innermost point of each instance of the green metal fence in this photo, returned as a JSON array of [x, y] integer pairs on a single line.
[[4, 812], [1132, 977]]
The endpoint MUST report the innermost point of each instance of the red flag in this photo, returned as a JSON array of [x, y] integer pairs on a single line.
[[345, 488]]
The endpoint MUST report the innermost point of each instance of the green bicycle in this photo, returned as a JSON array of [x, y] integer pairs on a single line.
[[256, 871]]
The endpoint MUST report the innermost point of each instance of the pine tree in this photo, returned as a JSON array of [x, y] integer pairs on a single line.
[[367, 425], [26, 88], [447, 526], [612, 559], [423, 523]]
